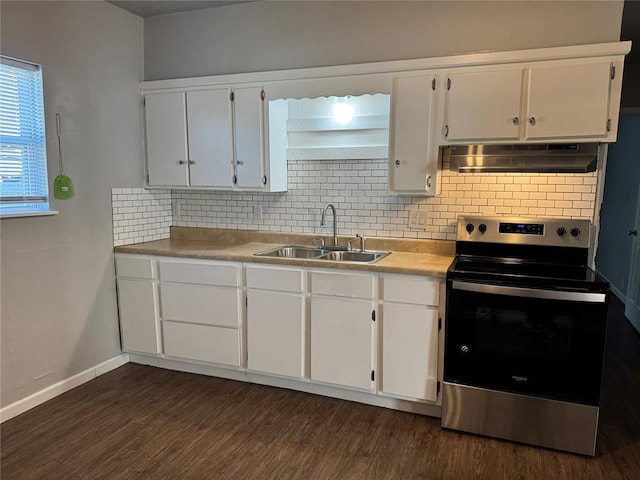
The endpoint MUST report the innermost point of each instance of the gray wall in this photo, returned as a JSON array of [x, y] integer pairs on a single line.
[[58, 300], [619, 205], [279, 35]]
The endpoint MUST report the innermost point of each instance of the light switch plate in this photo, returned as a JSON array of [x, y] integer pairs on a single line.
[[417, 220]]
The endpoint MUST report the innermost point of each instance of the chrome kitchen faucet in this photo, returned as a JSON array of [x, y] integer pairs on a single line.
[[335, 222]]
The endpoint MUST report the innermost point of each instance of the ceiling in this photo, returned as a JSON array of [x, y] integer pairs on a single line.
[[151, 8]]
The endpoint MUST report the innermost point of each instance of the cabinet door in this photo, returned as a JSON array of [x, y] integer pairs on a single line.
[[483, 105], [166, 128], [248, 137], [341, 341], [137, 304], [410, 351], [568, 101], [274, 333], [411, 156], [209, 116]]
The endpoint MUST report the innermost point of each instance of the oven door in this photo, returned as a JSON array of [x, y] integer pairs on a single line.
[[533, 341]]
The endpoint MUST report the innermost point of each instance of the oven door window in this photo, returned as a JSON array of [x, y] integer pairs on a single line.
[[533, 346]]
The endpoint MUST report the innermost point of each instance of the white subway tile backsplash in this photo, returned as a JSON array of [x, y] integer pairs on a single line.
[[140, 215]]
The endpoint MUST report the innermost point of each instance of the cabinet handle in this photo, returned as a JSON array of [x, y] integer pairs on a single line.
[[239, 162], [180, 162], [446, 130], [397, 162], [515, 121], [192, 162], [264, 180], [633, 232], [532, 121]]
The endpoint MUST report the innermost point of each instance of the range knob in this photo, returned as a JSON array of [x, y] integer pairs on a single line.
[[482, 228], [575, 232], [469, 227], [464, 349], [562, 231]]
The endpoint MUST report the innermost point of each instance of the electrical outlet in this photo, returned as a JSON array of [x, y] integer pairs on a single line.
[[257, 212], [417, 220]]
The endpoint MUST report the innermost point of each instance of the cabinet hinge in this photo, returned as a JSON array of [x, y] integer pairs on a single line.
[[446, 130], [448, 84], [232, 96], [433, 84], [440, 323], [246, 301], [608, 125], [262, 94], [144, 101], [264, 180], [373, 315], [147, 179], [373, 375], [234, 179], [438, 387], [613, 72]]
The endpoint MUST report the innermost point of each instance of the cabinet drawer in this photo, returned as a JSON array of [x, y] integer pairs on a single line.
[[282, 280], [342, 285], [209, 274], [417, 290], [135, 267], [202, 342], [204, 304]]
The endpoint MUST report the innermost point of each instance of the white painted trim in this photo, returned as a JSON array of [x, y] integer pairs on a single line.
[[301, 385], [48, 213], [467, 60], [61, 387], [615, 290]]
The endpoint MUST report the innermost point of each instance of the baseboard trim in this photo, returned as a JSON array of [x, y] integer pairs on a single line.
[[59, 388]]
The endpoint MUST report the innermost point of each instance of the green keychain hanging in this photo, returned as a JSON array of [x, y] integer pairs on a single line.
[[62, 184]]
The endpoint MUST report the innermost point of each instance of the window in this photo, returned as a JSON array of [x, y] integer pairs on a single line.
[[23, 156]]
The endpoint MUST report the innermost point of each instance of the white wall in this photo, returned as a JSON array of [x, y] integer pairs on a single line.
[[275, 35], [59, 314]]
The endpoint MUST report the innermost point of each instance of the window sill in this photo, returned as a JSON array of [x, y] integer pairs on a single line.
[[30, 214]]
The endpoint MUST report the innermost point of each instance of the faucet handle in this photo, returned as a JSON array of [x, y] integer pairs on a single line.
[[349, 244], [321, 241]]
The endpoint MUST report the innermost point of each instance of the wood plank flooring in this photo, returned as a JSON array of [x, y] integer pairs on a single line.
[[140, 422]]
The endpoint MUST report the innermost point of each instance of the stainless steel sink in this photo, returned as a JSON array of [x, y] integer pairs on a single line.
[[293, 251], [317, 253], [350, 256]]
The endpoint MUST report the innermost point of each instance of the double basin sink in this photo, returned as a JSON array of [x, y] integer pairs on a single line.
[[323, 253]]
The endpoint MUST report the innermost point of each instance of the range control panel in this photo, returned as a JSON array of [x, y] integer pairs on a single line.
[[553, 232]]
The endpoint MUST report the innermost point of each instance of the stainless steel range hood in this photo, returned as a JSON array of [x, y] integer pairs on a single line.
[[538, 158]]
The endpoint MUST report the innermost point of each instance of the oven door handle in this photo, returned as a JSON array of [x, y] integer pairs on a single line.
[[530, 292]]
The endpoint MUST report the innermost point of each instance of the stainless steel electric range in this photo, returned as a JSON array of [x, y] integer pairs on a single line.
[[525, 332]]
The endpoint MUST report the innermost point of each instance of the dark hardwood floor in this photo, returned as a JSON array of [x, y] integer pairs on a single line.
[[140, 422]]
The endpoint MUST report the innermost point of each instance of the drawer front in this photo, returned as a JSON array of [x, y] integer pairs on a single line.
[[204, 304], [218, 274], [342, 285], [201, 342], [282, 280], [134, 267], [416, 290]]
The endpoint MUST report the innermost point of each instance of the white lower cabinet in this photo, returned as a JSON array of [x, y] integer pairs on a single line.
[[409, 337], [201, 310], [342, 329], [378, 334], [276, 316], [138, 304]]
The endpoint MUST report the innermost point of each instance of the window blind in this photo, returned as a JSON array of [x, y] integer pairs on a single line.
[[23, 158]]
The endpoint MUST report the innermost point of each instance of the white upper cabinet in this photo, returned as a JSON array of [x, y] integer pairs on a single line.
[[211, 138], [559, 101], [167, 139], [413, 153], [249, 137], [209, 116], [483, 105], [568, 101]]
